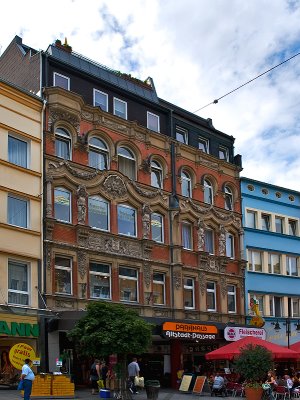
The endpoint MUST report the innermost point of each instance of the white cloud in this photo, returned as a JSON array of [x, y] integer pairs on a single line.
[[196, 51]]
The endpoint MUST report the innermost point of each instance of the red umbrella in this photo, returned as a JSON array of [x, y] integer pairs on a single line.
[[232, 350], [296, 347]]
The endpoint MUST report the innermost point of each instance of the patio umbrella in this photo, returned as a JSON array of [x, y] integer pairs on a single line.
[[232, 350], [296, 347]]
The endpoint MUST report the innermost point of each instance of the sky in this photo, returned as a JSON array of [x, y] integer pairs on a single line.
[[195, 51]]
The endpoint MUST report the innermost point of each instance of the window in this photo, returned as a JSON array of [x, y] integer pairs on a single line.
[[255, 261], [100, 281], [126, 161], [291, 266], [274, 263], [18, 283], [278, 224], [228, 199], [61, 81], [157, 228], [250, 188], [17, 211], [264, 191], [100, 100], [62, 205], [209, 241], [186, 236], [152, 122], [126, 220], [181, 135], [98, 212], [278, 195], [275, 306], [211, 296], [186, 184], [62, 144], [120, 108], [156, 174], [158, 288], [208, 192], [229, 245], [292, 227], [251, 219], [223, 153], [231, 298], [291, 198], [98, 154], [295, 309], [128, 282], [265, 222], [260, 300], [189, 293], [17, 151], [203, 144], [63, 275]]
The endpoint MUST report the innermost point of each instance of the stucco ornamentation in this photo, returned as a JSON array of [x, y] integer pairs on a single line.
[[147, 274], [59, 115], [146, 165], [146, 218], [202, 282], [201, 235], [64, 304], [114, 246], [81, 204], [207, 163], [177, 280], [146, 193], [73, 171], [222, 241], [223, 285], [82, 263], [115, 186], [160, 313], [114, 125]]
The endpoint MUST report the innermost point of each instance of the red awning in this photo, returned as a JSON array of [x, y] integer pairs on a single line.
[[232, 350], [296, 347]]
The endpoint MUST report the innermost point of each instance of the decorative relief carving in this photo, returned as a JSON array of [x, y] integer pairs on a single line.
[[214, 317], [160, 313], [73, 171], [59, 115], [82, 236], [213, 263], [115, 186], [146, 165], [49, 230], [64, 304], [190, 315], [147, 274], [201, 235], [222, 241], [114, 125], [202, 282], [82, 290], [207, 163], [223, 285], [82, 263], [48, 257], [87, 116], [146, 217], [147, 193], [114, 246], [81, 204], [177, 280]]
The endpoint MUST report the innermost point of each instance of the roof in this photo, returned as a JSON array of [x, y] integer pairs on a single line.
[[99, 71]]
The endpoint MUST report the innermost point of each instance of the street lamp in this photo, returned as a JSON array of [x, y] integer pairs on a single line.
[[287, 325]]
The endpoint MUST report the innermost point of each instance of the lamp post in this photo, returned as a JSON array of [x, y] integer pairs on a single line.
[[287, 325]]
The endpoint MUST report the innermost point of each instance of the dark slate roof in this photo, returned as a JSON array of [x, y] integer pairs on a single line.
[[100, 71]]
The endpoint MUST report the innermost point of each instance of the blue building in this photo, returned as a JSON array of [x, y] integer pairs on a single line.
[[272, 248]]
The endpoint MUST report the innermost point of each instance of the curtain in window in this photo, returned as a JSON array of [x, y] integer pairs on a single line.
[[62, 148], [17, 151], [209, 243], [17, 212], [127, 167], [18, 282], [97, 160], [186, 236]]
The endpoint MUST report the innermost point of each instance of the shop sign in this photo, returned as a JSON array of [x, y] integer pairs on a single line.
[[19, 329], [18, 354], [189, 331], [233, 333]]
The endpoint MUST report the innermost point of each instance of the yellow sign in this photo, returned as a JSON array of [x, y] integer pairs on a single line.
[[18, 354]]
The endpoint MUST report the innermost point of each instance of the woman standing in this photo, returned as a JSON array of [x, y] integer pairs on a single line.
[[95, 376]]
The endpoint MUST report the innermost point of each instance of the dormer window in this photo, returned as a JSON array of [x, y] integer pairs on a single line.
[[100, 100], [203, 144], [152, 122], [61, 81], [181, 135], [120, 108], [223, 153]]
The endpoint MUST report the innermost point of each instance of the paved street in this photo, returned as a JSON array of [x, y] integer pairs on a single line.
[[164, 394]]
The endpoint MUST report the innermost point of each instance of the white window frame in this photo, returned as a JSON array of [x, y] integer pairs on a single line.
[[62, 189], [230, 245], [28, 149], [228, 195], [162, 227], [62, 268], [190, 231], [28, 292], [183, 132], [185, 176], [260, 298], [130, 278], [205, 143], [231, 294], [64, 137], [266, 220], [99, 150], [277, 217], [123, 102], [225, 151], [214, 291], [100, 199], [288, 265], [132, 158], [191, 288], [272, 306], [271, 263], [156, 167], [95, 91], [251, 258], [162, 284], [254, 213], [135, 219], [295, 223], [212, 233], [62, 76], [27, 202], [102, 274], [208, 187], [295, 300], [149, 115]]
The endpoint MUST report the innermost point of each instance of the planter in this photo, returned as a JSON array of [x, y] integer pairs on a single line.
[[253, 393]]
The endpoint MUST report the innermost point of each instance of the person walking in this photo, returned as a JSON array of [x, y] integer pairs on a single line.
[[28, 377], [103, 372], [95, 376], [133, 371]]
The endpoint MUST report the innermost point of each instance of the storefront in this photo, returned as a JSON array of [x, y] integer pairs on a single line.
[[19, 336]]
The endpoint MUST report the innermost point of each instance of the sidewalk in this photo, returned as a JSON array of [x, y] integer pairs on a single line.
[[84, 394]]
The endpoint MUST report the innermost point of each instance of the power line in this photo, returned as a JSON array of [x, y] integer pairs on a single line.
[[216, 101]]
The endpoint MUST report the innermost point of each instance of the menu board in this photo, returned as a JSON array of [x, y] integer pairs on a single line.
[[199, 383], [185, 383]]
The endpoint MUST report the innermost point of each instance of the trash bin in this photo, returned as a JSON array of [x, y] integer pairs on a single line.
[[152, 389], [104, 394]]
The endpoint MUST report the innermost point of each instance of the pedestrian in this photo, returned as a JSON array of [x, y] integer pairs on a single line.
[[95, 376], [28, 377], [133, 371], [103, 372]]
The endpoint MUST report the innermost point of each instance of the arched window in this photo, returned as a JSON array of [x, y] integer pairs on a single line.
[[62, 144], [126, 162], [156, 174], [186, 184], [208, 192], [98, 154], [228, 198], [62, 204]]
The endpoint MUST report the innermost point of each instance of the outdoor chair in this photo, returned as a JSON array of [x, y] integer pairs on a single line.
[[238, 390], [230, 388], [281, 392]]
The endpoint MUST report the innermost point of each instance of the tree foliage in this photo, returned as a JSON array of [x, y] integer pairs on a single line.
[[110, 328], [253, 363]]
